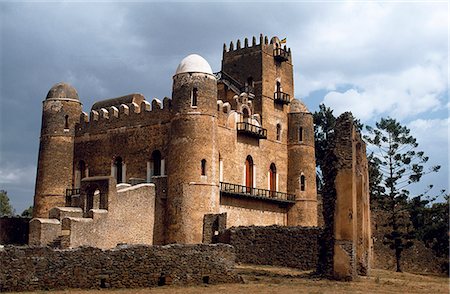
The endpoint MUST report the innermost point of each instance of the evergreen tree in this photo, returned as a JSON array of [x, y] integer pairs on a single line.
[[397, 164], [5, 207], [27, 212]]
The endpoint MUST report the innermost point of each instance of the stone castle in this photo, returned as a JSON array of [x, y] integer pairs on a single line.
[[234, 142]]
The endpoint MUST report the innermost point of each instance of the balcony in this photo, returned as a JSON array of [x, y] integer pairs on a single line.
[[280, 54], [70, 194], [251, 130], [281, 97], [255, 193]]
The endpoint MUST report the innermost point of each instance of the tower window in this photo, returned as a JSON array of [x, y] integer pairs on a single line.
[[278, 87], [249, 85], [66, 122], [194, 97], [302, 183], [273, 178], [278, 132], [249, 173], [300, 134], [203, 165]]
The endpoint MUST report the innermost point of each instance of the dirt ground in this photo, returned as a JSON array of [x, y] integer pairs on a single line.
[[267, 279]]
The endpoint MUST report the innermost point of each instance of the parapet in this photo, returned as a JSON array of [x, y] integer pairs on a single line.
[[123, 111], [263, 44]]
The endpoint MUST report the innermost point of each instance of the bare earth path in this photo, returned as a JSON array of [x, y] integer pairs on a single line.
[[266, 279]]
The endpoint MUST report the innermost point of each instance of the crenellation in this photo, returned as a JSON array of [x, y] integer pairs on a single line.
[[124, 109], [104, 113], [146, 106], [135, 108], [253, 41], [94, 116], [156, 104], [246, 43], [114, 112]]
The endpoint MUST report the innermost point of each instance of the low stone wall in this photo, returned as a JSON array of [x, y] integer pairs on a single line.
[[42, 268], [14, 230], [296, 247]]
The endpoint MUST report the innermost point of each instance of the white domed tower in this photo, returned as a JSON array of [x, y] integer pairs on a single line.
[[193, 166], [301, 166], [61, 110]]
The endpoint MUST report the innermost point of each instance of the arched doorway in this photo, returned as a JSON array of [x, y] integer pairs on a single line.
[[273, 179], [249, 173]]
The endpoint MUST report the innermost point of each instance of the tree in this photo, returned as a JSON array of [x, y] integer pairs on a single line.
[[399, 164], [28, 212], [5, 207]]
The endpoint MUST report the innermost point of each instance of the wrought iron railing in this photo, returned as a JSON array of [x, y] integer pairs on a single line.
[[281, 97], [251, 130], [70, 193], [280, 54], [243, 191]]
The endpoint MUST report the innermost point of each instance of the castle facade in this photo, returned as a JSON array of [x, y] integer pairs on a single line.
[[233, 143]]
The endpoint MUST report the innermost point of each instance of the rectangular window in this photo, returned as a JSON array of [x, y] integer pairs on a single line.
[[300, 134], [194, 97]]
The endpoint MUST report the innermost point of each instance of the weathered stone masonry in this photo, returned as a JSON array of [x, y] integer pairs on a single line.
[[41, 268]]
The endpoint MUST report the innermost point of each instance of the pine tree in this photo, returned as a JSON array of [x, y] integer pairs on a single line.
[[5, 207], [398, 164]]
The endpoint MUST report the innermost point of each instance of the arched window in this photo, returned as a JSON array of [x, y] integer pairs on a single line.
[[156, 159], [249, 173], [66, 122], [278, 87], [203, 166], [118, 163], [302, 183], [273, 178], [194, 97], [300, 134], [278, 132]]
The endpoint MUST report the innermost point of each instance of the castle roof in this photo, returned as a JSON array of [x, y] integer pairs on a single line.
[[194, 63], [297, 106], [62, 90]]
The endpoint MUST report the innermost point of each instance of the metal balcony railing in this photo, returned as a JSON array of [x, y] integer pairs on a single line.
[[256, 193], [70, 193], [280, 54], [281, 97], [251, 130]]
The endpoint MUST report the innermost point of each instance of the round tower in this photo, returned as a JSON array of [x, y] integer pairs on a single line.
[[61, 110], [301, 166], [193, 155]]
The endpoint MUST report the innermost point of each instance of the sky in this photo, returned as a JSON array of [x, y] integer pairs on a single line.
[[375, 59]]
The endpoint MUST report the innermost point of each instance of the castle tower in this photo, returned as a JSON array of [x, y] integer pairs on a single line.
[[61, 110], [264, 69], [193, 155], [301, 166]]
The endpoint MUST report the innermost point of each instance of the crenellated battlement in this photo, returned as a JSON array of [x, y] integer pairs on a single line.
[[131, 113], [275, 44]]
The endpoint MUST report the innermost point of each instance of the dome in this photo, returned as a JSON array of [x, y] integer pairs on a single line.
[[298, 106], [62, 90], [194, 63]]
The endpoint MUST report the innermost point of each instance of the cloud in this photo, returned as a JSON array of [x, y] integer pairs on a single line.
[[17, 175], [416, 90]]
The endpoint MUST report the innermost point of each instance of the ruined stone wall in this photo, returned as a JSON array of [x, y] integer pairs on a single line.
[[14, 230], [346, 248], [32, 268], [296, 247]]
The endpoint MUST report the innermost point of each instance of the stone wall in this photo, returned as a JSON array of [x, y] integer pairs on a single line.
[[296, 247], [34, 268], [14, 230]]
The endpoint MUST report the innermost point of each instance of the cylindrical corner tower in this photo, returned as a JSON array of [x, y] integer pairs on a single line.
[[61, 110], [301, 166], [193, 155]]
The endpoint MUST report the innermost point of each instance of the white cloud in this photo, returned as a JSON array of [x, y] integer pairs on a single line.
[[17, 175]]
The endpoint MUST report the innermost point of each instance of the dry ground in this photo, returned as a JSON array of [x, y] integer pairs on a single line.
[[267, 279]]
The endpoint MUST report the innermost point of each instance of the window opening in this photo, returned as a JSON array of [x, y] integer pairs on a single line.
[[278, 132], [302, 183], [194, 97], [203, 167]]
